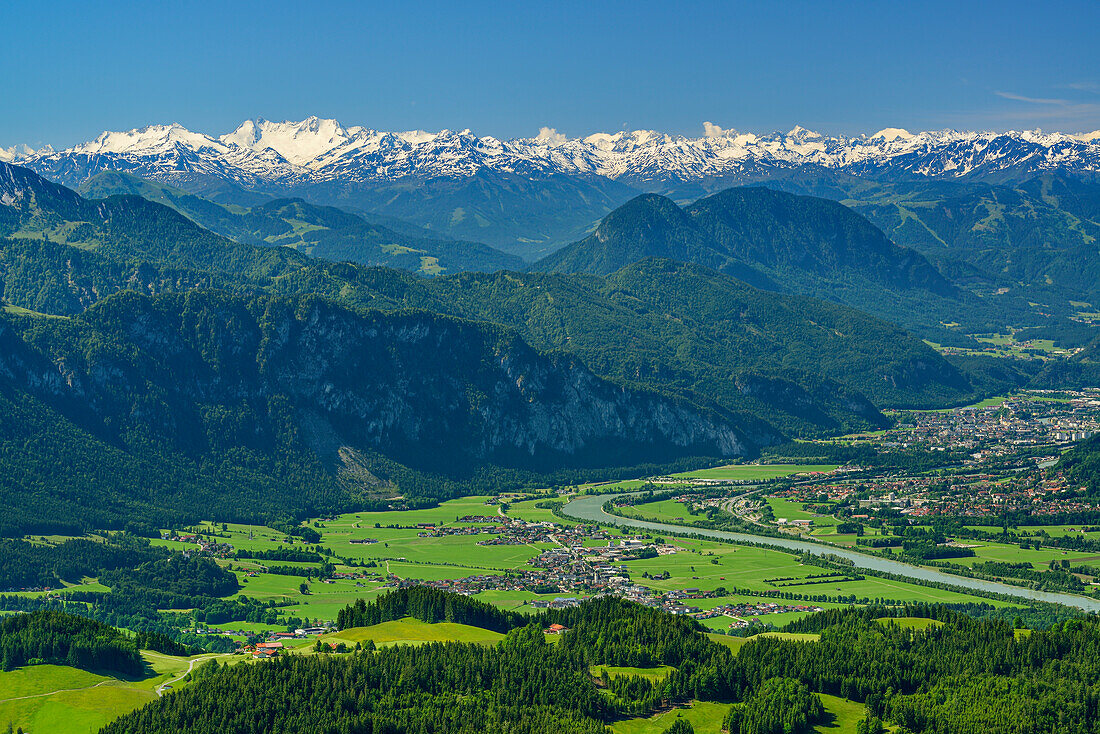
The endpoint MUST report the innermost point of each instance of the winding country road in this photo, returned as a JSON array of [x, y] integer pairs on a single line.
[[162, 688]]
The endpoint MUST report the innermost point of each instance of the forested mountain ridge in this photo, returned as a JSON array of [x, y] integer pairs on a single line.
[[777, 241], [55, 277], [666, 323], [276, 395], [1033, 238], [320, 231], [783, 232]]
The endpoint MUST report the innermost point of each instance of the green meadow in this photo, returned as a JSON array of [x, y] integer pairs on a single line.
[[707, 565], [841, 715], [411, 631], [913, 623], [653, 674], [56, 699], [755, 471], [704, 717]]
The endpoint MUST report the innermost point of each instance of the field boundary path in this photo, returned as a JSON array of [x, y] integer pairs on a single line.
[[62, 690]]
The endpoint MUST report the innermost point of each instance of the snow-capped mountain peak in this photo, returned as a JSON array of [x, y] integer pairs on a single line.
[[298, 142], [151, 137], [19, 152], [890, 134], [316, 150]]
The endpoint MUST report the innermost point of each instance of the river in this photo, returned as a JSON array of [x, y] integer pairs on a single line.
[[590, 508]]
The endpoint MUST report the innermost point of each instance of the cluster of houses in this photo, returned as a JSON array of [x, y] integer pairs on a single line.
[[204, 544], [276, 642], [569, 567], [746, 615], [511, 531], [1032, 419]]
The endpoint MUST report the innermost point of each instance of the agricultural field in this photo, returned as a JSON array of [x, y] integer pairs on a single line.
[[702, 565], [526, 510], [748, 472], [707, 565], [1012, 553], [1054, 531], [664, 511]]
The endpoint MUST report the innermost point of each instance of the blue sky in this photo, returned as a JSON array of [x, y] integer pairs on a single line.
[[73, 69]]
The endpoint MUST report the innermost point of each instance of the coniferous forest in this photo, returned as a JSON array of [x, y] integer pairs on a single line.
[[955, 673]]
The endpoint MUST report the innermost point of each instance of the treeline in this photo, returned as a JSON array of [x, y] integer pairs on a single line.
[[963, 675], [521, 685], [293, 555], [157, 642], [63, 639]]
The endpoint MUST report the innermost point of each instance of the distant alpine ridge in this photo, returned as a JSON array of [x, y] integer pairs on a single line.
[[260, 154]]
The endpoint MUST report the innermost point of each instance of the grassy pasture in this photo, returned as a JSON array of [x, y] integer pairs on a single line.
[[653, 674], [841, 715], [793, 510], [755, 471], [1012, 553], [413, 631], [664, 511], [526, 510], [746, 567], [57, 699], [913, 623], [705, 718], [736, 643]]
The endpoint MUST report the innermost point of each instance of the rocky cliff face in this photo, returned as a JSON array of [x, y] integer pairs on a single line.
[[204, 371]]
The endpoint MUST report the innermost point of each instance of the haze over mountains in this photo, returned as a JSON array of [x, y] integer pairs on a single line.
[[531, 195]]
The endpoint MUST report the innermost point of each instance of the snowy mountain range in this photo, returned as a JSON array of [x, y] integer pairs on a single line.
[[260, 154], [529, 196]]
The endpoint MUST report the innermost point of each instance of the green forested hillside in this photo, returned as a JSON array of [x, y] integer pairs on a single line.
[[153, 408], [321, 231], [780, 242], [55, 278], [1035, 239], [962, 674], [691, 328], [783, 233], [647, 226], [63, 639], [256, 392]]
